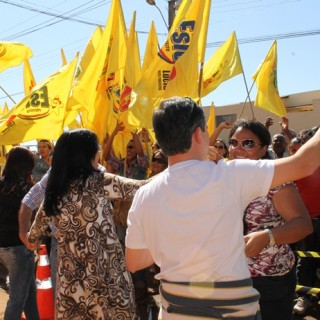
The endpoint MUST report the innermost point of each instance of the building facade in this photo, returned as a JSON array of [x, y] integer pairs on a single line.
[[303, 112]]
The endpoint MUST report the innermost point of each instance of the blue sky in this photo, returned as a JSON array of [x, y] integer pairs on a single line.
[[298, 57]]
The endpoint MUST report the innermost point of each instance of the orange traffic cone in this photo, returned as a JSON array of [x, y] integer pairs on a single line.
[[45, 298]]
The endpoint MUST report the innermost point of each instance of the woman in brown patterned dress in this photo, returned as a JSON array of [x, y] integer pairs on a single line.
[[92, 279]]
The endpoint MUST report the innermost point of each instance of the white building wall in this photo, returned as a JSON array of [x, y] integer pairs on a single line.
[[298, 120]]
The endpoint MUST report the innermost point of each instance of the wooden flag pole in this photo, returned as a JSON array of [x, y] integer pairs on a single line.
[[7, 94]]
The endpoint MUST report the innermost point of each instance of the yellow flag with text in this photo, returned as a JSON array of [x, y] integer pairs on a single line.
[[266, 80], [40, 115], [150, 90], [224, 64], [28, 79], [183, 80], [12, 54]]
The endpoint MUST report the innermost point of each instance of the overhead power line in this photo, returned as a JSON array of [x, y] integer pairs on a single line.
[[270, 37]]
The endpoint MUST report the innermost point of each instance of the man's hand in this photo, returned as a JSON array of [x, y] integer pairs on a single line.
[[284, 124], [29, 245], [213, 154], [225, 125]]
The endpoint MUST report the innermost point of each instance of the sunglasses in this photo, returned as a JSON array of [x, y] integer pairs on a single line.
[[158, 160], [130, 147], [246, 144], [219, 147]]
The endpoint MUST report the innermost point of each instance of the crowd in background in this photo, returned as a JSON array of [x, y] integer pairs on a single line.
[[284, 209]]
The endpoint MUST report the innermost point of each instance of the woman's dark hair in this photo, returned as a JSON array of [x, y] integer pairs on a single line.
[[19, 164], [258, 129], [174, 123], [72, 160]]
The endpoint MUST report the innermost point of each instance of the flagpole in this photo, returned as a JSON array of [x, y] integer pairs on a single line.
[[248, 91], [200, 82], [248, 96], [7, 94], [202, 53]]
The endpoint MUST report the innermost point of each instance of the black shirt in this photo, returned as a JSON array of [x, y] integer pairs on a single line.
[[11, 194]]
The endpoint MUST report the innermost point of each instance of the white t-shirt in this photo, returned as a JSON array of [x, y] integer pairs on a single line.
[[190, 218]]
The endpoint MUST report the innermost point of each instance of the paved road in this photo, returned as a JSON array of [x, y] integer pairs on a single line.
[[313, 312]]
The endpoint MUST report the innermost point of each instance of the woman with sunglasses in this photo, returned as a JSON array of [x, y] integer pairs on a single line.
[[159, 162], [222, 148], [282, 215]]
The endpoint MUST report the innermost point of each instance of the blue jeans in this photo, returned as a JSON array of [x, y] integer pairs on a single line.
[[22, 292], [54, 263], [276, 295]]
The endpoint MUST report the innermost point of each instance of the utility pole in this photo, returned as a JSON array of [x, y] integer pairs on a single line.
[[172, 6], [171, 12]]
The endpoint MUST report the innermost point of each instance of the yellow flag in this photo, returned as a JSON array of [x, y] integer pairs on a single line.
[[105, 113], [266, 80], [224, 64], [151, 50], [91, 91], [4, 110], [63, 58], [89, 52], [40, 114], [75, 124], [28, 79], [132, 74], [204, 31], [116, 64], [132, 70], [150, 90], [73, 106], [12, 54], [86, 90], [183, 80], [211, 123]]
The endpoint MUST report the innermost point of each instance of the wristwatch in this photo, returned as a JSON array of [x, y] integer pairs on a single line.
[[272, 242]]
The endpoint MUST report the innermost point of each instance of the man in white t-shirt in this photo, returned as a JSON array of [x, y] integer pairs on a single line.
[[188, 219]]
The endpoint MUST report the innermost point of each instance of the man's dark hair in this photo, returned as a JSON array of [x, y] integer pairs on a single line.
[[174, 123]]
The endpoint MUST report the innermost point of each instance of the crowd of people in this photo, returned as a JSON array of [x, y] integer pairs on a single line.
[[289, 206], [214, 224]]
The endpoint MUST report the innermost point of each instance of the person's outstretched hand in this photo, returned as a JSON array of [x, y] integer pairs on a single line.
[[269, 122]]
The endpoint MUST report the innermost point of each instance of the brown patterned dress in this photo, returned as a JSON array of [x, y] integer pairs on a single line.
[[92, 280]]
